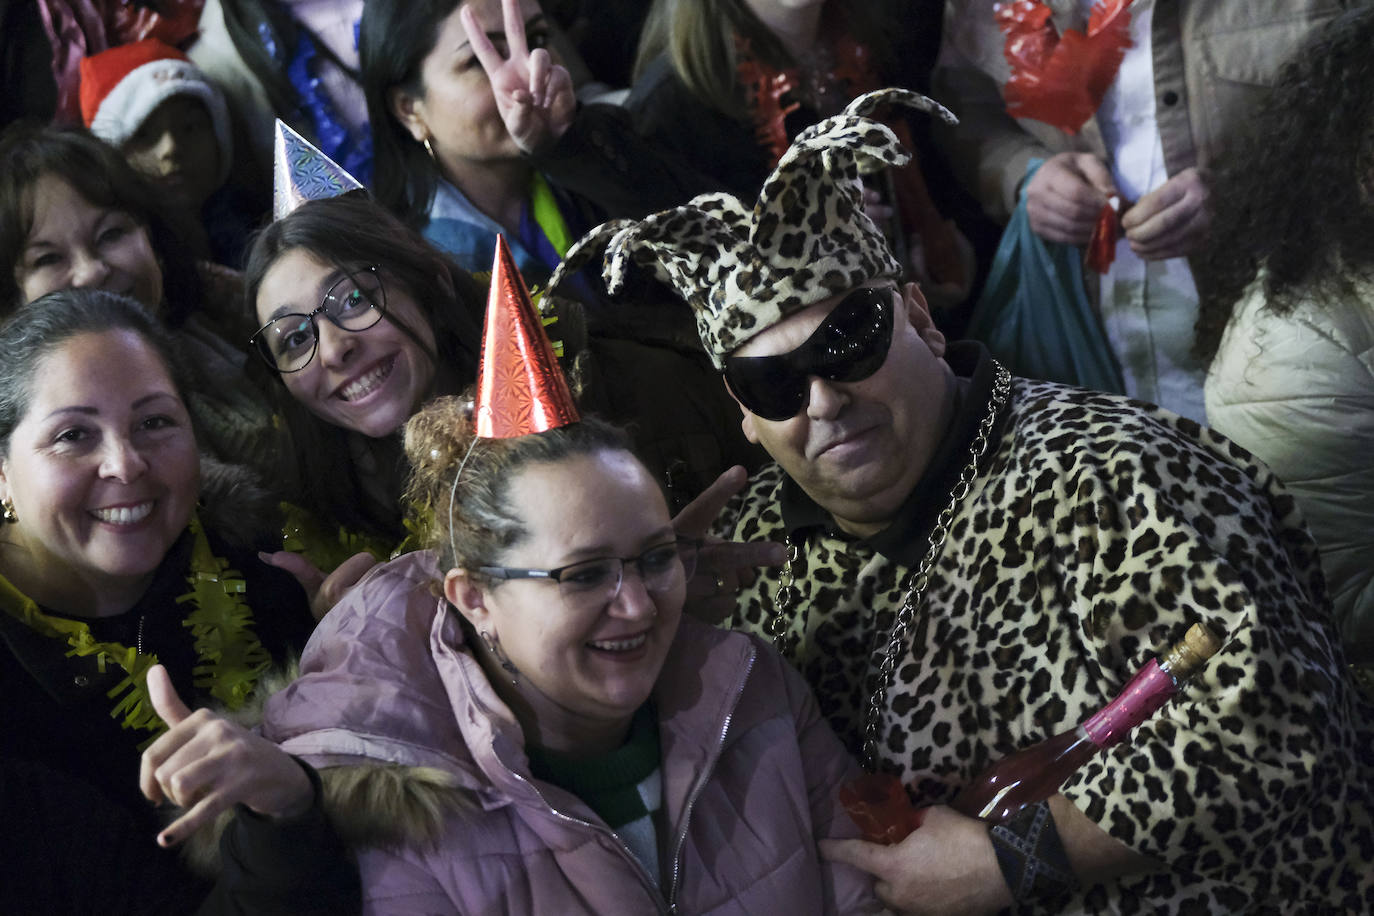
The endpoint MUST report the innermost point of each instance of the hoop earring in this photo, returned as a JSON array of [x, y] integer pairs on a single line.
[[9, 515], [502, 659], [429, 149]]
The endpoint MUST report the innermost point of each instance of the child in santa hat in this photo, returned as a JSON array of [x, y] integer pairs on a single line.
[[171, 122]]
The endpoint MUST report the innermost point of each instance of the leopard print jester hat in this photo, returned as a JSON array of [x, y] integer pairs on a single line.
[[806, 239]]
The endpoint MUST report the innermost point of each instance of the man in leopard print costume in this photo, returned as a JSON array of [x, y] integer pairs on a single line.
[[1071, 537]]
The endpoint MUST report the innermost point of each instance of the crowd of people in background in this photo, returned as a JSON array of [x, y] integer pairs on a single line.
[[295, 622]]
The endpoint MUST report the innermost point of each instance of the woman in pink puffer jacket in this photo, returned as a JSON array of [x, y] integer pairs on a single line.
[[551, 735]]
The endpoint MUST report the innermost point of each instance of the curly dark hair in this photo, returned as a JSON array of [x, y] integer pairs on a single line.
[[1295, 193]]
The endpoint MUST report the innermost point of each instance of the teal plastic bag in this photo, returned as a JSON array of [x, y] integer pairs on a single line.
[[1034, 314]]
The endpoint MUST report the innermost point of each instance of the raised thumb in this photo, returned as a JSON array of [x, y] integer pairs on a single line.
[[166, 703]]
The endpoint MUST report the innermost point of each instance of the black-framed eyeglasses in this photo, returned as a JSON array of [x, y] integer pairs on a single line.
[[355, 302], [596, 582], [848, 346]]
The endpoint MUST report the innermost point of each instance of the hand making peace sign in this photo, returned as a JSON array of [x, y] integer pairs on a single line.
[[534, 92]]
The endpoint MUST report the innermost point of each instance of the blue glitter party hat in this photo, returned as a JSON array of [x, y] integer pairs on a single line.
[[300, 172]]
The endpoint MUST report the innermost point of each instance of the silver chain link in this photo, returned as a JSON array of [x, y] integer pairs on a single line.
[[920, 579], [788, 596]]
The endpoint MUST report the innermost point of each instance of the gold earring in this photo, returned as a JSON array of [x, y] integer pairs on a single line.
[[429, 149], [9, 515]]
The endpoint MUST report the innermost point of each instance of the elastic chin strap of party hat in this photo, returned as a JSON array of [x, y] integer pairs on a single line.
[[453, 495], [521, 388]]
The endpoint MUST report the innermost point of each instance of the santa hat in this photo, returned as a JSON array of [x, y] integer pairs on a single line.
[[742, 268], [122, 86]]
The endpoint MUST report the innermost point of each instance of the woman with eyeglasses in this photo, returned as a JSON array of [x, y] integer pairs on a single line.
[[128, 580], [362, 322], [521, 719], [75, 214]]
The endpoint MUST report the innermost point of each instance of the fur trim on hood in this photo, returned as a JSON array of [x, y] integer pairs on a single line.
[[383, 806], [392, 806]]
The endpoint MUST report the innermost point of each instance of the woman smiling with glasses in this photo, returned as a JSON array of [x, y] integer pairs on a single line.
[[564, 740], [355, 302], [362, 322]]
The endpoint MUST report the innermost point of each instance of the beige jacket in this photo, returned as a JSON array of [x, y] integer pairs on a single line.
[[1298, 391], [1212, 59]]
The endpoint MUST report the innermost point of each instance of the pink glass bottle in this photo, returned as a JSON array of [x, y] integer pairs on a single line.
[[1033, 774]]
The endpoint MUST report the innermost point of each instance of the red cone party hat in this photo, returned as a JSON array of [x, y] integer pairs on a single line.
[[520, 387]]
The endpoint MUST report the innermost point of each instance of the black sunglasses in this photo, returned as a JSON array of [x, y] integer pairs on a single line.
[[849, 345]]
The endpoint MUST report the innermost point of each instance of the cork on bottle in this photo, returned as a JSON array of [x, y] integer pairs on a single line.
[[1189, 653]]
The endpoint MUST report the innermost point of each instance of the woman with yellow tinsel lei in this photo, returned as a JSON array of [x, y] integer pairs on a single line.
[[119, 599]]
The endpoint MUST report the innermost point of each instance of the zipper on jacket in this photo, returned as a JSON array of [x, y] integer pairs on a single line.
[[706, 771], [624, 848]]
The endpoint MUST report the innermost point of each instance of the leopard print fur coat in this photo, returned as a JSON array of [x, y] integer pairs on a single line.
[[1097, 530]]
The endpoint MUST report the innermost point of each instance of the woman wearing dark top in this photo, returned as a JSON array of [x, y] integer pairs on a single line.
[[464, 151], [108, 569]]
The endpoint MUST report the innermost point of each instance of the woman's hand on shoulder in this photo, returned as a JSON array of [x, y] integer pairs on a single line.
[[533, 94], [205, 764], [325, 591]]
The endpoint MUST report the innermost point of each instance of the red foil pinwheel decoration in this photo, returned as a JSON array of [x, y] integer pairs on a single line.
[[879, 805], [1061, 79]]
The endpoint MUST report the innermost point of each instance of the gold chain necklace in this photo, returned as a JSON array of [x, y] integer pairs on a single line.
[[230, 656], [788, 596]]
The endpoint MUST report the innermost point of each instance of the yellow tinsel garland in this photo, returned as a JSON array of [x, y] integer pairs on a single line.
[[327, 546], [231, 656]]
